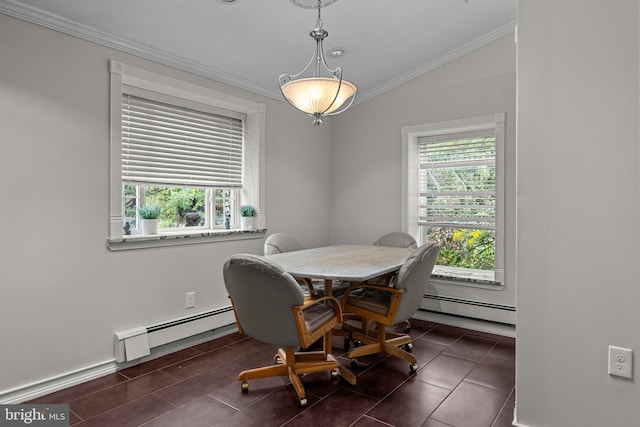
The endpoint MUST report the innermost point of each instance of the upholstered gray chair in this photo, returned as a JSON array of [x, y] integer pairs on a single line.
[[270, 307], [385, 305], [397, 239], [278, 243]]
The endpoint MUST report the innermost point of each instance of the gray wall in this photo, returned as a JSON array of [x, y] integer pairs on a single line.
[[367, 143], [63, 293], [578, 211]]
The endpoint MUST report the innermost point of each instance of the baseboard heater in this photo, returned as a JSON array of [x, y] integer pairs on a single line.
[[470, 302], [469, 307], [138, 342]]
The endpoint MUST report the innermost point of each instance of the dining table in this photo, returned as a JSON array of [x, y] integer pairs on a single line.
[[348, 263]]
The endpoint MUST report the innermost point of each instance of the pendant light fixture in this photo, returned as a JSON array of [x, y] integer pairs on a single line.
[[316, 95]]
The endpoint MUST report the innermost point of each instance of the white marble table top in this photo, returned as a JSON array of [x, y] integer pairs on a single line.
[[353, 263]]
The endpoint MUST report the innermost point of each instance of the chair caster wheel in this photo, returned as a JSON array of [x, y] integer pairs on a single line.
[[413, 368], [245, 387], [334, 374], [347, 344], [303, 402], [408, 347], [354, 364]]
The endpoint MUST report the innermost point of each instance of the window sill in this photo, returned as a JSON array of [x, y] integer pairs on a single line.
[[465, 277], [181, 238]]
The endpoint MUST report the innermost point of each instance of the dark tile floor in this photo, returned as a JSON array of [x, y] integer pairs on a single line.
[[465, 378]]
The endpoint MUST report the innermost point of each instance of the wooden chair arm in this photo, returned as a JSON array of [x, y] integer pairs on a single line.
[[307, 282], [236, 316], [388, 319], [384, 280], [383, 288], [309, 337], [333, 300]]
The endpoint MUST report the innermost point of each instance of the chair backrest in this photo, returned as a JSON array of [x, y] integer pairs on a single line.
[[280, 242], [397, 239], [413, 278], [263, 295]]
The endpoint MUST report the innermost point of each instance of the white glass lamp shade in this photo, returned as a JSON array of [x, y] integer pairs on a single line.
[[317, 94]]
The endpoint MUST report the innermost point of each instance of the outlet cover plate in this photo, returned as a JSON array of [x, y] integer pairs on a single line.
[[620, 362], [190, 300]]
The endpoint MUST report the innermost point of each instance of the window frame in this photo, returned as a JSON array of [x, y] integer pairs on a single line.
[[411, 189], [253, 191]]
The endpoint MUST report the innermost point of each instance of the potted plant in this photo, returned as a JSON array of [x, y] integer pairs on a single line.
[[149, 219], [247, 216]]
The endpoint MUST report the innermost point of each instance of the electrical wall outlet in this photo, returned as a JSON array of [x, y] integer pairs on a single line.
[[620, 362], [190, 300]]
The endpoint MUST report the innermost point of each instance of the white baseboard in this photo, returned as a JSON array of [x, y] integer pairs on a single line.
[[515, 422], [40, 388], [43, 387]]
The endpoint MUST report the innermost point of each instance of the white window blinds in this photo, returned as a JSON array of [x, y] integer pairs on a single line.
[[175, 142], [458, 180]]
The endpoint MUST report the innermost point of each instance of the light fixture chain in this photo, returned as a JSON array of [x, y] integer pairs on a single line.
[[319, 23]]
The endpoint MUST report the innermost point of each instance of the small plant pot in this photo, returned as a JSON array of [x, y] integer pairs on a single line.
[[247, 222], [149, 226]]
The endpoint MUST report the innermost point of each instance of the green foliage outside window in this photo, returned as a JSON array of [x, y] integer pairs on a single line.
[[130, 205], [222, 213], [181, 207], [465, 248]]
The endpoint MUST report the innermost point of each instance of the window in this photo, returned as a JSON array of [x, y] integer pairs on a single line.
[[454, 185], [191, 151]]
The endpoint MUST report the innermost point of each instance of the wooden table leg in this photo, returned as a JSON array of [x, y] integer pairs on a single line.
[[328, 343], [345, 373]]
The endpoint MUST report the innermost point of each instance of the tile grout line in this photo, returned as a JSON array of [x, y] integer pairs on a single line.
[[504, 405]]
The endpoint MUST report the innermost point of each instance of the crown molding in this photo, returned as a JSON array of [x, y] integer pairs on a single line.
[[60, 24], [439, 62]]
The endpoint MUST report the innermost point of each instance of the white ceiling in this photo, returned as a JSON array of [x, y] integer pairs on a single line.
[[250, 43]]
